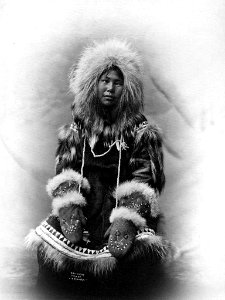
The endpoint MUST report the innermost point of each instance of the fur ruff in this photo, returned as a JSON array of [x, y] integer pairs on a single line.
[[66, 175], [128, 214], [67, 199], [129, 187], [84, 79]]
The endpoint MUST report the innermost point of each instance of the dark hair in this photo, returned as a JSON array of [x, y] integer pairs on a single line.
[[112, 68]]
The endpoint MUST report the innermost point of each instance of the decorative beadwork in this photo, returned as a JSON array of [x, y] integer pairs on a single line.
[[142, 208], [70, 228], [64, 188], [137, 202]]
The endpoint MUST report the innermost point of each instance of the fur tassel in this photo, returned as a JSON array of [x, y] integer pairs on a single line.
[[66, 200], [66, 175], [129, 187], [128, 214]]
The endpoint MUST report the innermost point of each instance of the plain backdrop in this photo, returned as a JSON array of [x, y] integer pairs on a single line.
[[183, 48]]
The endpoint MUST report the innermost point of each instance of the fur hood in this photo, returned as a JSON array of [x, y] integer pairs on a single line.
[[84, 78]]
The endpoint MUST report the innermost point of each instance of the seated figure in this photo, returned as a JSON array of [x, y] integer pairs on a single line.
[[109, 175]]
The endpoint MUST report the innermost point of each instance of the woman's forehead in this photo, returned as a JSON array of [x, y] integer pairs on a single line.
[[113, 74]]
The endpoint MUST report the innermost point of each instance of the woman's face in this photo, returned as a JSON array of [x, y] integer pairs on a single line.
[[110, 87]]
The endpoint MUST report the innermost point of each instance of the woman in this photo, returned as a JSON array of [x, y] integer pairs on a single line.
[[109, 175]]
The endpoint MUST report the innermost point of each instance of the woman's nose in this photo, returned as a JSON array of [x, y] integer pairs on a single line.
[[110, 86]]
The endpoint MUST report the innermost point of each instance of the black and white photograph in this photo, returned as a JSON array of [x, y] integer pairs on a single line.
[[112, 147]]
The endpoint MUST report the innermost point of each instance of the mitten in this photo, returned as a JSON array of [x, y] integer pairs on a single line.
[[72, 221], [68, 201], [136, 205], [121, 233]]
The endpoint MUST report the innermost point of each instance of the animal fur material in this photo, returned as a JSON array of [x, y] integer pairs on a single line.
[[66, 175], [67, 199], [129, 187], [128, 214], [149, 134], [84, 77], [63, 255]]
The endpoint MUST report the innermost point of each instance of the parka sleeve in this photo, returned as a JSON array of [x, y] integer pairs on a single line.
[[68, 186], [147, 157], [139, 196]]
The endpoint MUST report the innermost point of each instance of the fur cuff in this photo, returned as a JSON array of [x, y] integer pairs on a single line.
[[128, 214], [68, 199], [129, 187], [67, 175]]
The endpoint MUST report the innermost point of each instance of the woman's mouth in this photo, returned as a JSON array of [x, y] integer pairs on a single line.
[[108, 96]]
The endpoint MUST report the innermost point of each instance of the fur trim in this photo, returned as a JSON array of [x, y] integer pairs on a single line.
[[84, 78], [32, 240], [67, 199], [129, 187], [100, 266], [61, 255], [153, 247], [66, 175], [128, 214]]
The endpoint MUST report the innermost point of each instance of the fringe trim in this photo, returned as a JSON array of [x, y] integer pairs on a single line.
[[66, 175], [128, 214], [99, 266], [66, 200], [146, 245], [129, 187]]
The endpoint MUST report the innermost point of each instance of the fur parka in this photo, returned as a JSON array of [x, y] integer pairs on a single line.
[[111, 170]]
